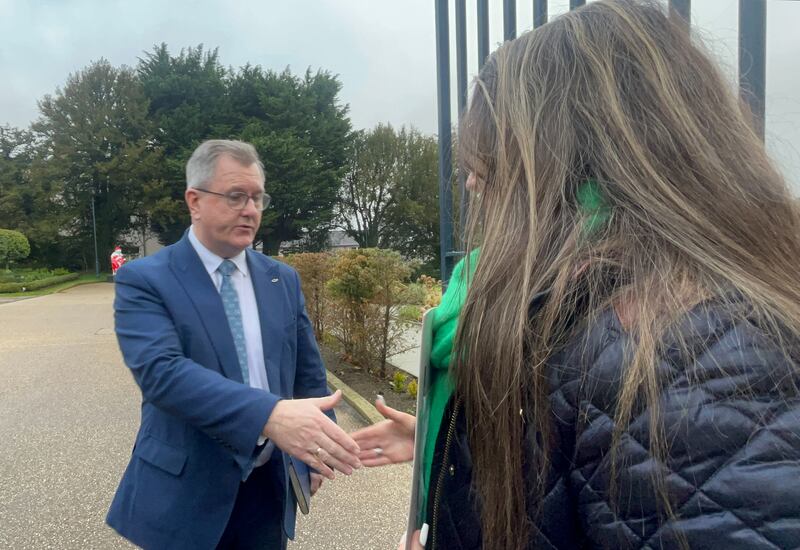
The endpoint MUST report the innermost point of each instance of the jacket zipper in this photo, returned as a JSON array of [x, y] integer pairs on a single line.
[[440, 482]]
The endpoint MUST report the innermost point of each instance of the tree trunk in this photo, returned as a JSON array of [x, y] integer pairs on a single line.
[[272, 243], [144, 239], [385, 338]]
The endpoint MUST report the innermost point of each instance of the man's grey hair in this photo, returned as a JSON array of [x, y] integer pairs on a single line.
[[203, 162]]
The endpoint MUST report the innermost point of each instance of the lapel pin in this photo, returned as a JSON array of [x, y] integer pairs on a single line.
[[275, 280]]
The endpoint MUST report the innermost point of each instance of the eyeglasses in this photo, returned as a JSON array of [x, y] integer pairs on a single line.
[[237, 200]]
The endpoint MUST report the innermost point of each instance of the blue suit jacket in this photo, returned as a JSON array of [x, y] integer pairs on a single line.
[[200, 424]]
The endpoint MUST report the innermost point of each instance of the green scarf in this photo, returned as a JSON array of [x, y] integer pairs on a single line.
[[445, 325], [596, 213]]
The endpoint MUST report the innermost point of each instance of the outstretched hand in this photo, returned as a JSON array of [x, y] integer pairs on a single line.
[[388, 442], [299, 427]]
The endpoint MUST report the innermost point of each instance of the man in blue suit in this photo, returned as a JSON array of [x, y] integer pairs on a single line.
[[217, 338]]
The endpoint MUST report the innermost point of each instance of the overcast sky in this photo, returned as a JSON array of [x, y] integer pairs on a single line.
[[382, 50]]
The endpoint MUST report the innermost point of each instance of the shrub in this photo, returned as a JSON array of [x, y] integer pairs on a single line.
[[13, 246], [415, 294], [433, 291], [398, 382], [412, 388], [315, 270], [329, 340], [367, 290], [410, 313]]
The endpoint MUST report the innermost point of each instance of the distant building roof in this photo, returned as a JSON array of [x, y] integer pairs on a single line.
[[340, 239], [337, 239]]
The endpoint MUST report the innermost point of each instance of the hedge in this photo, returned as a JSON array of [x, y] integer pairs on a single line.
[[36, 285]]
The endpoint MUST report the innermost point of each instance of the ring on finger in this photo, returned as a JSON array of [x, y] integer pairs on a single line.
[[378, 451], [318, 452]]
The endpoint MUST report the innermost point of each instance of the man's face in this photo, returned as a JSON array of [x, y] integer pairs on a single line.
[[222, 229]]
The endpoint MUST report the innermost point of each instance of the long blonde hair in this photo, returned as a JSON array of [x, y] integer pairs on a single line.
[[617, 94]]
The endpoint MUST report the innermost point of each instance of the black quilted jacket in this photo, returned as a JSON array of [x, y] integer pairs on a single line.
[[733, 467]]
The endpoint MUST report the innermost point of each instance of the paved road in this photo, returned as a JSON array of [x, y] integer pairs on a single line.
[[68, 417], [4, 300]]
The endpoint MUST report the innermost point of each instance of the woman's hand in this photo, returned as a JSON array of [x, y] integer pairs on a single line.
[[316, 483], [388, 442], [415, 544]]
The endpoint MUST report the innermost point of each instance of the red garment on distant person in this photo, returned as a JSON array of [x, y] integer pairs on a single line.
[[117, 259]]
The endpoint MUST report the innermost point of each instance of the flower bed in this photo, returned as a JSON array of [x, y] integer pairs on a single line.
[[369, 385]]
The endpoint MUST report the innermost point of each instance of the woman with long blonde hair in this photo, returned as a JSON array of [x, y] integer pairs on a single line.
[[625, 368]]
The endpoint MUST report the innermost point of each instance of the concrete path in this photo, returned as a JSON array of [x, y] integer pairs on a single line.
[[409, 359], [69, 411]]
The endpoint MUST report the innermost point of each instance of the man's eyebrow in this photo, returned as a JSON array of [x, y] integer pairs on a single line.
[[240, 187]]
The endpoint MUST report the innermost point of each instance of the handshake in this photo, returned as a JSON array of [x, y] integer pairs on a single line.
[[300, 428]]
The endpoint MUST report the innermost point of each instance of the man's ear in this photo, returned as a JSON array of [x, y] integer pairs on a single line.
[[192, 198]]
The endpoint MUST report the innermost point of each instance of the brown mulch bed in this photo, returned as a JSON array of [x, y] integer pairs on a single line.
[[366, 384]]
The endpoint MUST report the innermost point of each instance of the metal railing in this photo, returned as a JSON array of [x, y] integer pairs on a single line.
[[752, 83]]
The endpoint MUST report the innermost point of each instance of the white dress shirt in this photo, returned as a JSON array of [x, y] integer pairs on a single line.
[[243, 284]]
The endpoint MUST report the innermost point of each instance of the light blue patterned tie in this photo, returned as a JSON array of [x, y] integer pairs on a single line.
[[230, 301]]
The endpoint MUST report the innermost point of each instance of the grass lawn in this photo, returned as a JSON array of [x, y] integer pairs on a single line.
[[86, 278]]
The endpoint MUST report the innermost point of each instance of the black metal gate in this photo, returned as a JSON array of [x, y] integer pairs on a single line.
[[752, 77]]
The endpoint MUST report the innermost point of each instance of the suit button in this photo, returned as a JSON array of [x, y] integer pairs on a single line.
[[452, 470]]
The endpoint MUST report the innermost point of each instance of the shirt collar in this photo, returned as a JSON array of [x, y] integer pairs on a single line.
[[211, 261]]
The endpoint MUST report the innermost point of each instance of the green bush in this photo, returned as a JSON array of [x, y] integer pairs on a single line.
[[410, 313], [415, 294], [412, 388], [36, 285], [366, 290], [13, 246], [398, 382]]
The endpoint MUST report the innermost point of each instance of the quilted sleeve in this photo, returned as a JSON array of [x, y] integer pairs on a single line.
[[734, 464], [731, 418]]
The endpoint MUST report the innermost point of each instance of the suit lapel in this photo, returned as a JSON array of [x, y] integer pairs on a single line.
[[191, 273], [269, 290]]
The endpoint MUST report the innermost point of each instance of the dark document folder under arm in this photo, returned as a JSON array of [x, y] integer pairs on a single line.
[[300, 480]]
